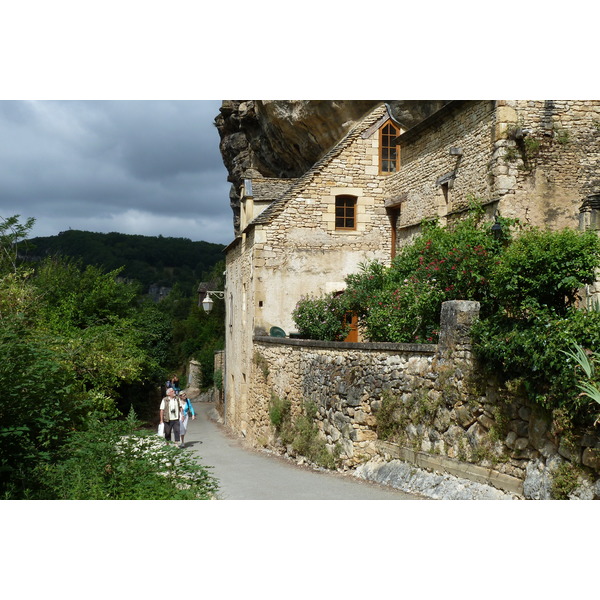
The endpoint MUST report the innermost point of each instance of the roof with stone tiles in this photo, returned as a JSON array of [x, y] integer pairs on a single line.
[[278, 205], [268, 189]]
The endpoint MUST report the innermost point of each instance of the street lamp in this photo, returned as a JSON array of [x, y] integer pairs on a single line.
[[207, 303]]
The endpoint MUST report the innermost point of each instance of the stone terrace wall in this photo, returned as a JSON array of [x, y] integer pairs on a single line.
[[451, 420]]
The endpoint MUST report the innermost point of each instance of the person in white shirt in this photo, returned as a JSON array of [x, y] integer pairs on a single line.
[[169, 415]]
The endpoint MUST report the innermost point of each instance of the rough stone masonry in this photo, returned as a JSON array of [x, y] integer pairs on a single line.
[[464, 435]]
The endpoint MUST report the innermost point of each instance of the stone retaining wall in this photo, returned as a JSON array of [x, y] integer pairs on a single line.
[[448, 417]]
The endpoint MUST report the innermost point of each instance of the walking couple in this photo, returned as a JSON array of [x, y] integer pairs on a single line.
[[174, 413]]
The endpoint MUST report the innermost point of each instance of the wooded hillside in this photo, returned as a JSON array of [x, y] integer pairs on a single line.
[[161, 261]]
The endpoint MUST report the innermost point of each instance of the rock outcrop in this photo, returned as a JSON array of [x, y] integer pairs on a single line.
[[284, 138]]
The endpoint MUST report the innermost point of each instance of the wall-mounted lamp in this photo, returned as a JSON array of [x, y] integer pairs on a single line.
[[207, 303], [454, 151], [496, 228]]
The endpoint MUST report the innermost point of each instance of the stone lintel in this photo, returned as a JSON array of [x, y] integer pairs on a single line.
[[396, 200]]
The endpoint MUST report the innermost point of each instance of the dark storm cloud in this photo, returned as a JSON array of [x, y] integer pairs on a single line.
[[147, 167]]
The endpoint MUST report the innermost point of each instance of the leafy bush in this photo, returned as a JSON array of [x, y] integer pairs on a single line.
[[112, 461], [545, 269], [407, 313], [402, 303], [41, 402], [532, 350], [321, 318], [535, 283]]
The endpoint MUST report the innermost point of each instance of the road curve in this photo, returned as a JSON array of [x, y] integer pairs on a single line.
[[248, 474]]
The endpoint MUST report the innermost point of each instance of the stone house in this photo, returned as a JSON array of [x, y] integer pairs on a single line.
[[533, 160], [537, 161], [302, 237]]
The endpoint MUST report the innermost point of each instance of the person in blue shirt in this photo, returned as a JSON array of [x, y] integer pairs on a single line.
[[186, 410]]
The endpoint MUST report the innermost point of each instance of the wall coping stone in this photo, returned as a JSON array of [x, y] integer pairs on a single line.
[[373, 346]]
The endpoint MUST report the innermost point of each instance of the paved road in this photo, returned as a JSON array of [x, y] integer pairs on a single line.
[[246, 474]]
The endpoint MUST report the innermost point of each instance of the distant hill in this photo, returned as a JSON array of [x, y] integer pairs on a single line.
[[154, 261]]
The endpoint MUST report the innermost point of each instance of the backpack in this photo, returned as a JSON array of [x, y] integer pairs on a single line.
[[187, 407]]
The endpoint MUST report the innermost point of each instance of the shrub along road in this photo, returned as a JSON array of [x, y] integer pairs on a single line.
[[248, 474]]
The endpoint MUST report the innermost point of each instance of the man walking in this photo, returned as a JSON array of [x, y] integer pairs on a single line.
[[169, 415]]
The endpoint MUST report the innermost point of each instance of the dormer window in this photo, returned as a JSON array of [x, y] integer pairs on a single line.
[[389, 156]]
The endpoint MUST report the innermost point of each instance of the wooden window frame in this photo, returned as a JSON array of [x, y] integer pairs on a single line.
[[383, 137], [348, 205]]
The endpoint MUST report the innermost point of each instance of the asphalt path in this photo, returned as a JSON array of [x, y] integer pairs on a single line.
[[249, 474]]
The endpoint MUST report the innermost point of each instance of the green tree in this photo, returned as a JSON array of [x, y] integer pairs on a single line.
[[68, 342], [12, 235]]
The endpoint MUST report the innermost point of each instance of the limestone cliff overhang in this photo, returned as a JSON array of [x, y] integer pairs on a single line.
[[380, 114], [434, 120]]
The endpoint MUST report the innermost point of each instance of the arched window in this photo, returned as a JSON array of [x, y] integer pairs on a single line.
[[345, 212], [388, 151]]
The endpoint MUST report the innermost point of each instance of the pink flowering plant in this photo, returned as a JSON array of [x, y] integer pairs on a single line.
[[402, 303]]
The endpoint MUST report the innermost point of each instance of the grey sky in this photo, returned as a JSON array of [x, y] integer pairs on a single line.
[[144, 167]]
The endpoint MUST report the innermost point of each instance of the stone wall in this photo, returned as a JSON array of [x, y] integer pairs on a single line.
[[551, 150], [433, 180], [535, 160], [448, 417]]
